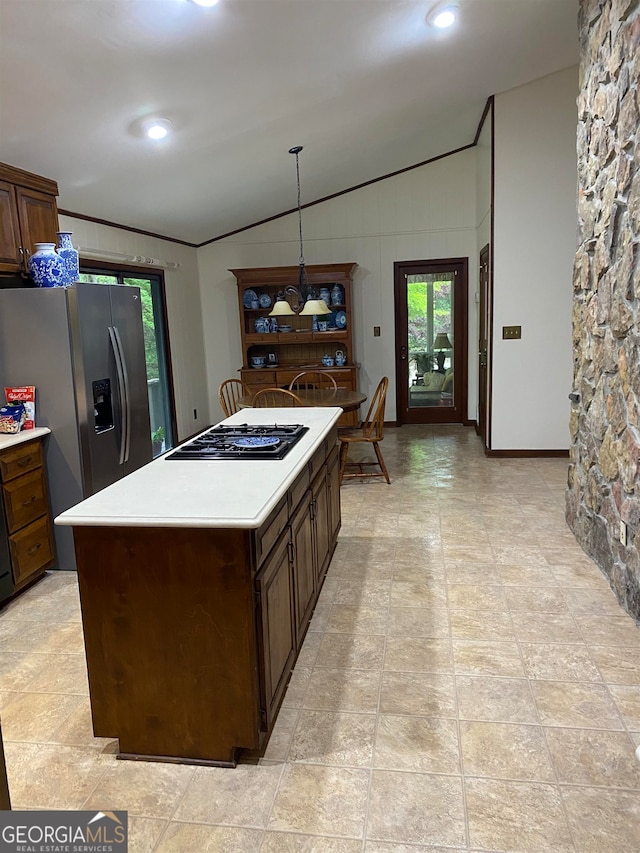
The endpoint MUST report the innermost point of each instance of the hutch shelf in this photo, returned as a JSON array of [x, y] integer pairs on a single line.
[[287, 353]]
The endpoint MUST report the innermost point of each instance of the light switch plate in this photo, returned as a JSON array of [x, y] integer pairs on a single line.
[[376, 331]]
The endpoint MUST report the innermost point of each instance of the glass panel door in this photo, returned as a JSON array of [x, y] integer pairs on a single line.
[[431, 341], [430, 332]]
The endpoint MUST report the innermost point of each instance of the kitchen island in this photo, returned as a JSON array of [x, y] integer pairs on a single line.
[[197, 582]]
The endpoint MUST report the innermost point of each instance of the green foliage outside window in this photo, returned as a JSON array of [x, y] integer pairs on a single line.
[[417, 312]]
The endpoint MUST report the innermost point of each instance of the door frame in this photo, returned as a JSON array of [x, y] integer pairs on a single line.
[[484, 345], [432, 414]]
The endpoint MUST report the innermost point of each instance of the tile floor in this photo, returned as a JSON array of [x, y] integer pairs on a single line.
[[468, 681]]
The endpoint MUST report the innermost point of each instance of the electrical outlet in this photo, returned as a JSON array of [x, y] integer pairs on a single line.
[[511, 333], [623, 534]]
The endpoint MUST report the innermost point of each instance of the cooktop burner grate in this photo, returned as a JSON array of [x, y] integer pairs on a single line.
[[242, 441]]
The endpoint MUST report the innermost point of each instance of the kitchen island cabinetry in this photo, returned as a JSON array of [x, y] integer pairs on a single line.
[[193, 622], [28, 215], [277, 645], [26, 533]]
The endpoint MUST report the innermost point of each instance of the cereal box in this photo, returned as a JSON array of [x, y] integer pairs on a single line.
[[27, 396]]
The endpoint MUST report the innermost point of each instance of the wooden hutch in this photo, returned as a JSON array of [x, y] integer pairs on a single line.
[[302, 348]]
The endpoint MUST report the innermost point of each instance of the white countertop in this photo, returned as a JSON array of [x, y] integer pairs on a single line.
[[206, 493], [8, 439]]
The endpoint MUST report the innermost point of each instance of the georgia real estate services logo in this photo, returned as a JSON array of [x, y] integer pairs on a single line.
[[63, 832]]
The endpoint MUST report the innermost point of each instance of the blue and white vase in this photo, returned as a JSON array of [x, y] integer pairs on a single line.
[[325, 295], [70, 256], [46, 267], [336, 295]]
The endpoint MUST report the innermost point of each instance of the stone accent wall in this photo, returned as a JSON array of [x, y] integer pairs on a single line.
[[604, 482]]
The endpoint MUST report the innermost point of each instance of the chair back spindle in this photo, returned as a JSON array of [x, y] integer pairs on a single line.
[[230, 391], [269, 398]]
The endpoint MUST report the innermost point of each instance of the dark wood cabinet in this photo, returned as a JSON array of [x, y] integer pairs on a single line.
[[211, 617], [301, 348], [10, 256], [303, 563], [333, 494], [27, 535], [276, 626], [28, 215], [321, 534]]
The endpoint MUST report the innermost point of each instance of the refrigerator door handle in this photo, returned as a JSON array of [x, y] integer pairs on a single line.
[[127, 395], [124, 410]]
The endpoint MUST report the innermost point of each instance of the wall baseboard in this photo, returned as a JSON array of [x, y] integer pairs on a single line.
[[522, 454]]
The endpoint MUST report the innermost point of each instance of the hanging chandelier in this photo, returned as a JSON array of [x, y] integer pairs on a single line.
[[306, 303]]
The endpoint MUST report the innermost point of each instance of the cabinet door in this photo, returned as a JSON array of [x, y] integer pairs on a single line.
[[333, 484], [321, 532], [9, 229], [276, 631], [303, 565], [38, 216]]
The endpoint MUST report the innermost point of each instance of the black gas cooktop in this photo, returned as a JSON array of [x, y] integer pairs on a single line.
[[242, 441]]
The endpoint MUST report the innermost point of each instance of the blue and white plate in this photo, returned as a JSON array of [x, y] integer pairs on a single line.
[[256, 441], [248, 297], [341, 320], [264, 300]]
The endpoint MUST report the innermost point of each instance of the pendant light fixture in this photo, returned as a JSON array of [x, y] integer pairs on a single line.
[[306, 303]]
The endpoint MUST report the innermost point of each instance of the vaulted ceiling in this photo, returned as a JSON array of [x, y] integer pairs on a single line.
[[366, 86]]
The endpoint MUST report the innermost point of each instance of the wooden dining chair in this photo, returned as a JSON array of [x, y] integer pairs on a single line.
[[371, 432], [313, 379], [229, 393], [269, 398]]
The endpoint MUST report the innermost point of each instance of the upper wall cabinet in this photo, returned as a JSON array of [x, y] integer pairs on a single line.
[[28, 215]]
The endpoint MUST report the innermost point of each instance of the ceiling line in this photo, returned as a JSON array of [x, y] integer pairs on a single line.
[[293, 209]]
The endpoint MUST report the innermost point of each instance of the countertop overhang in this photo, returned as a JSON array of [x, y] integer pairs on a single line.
[[9, 439], [217, 493]]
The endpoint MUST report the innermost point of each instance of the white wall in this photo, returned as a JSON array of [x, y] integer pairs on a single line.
[[534, 246], [483, 184], [184, 316], [425, 213]]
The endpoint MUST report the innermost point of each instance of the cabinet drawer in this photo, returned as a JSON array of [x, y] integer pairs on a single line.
[[317, 460], [296, 492], [20, 459], [25, 499], [267, 535], [263, 378], [31, 549]]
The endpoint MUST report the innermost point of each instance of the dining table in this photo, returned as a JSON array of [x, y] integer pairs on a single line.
[[348, 401]]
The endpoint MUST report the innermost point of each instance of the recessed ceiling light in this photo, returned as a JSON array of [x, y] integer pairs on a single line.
[[443, 16], [157, 128], [205, 2]]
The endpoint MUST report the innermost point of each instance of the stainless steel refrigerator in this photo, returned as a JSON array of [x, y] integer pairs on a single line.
[[83, 349]]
